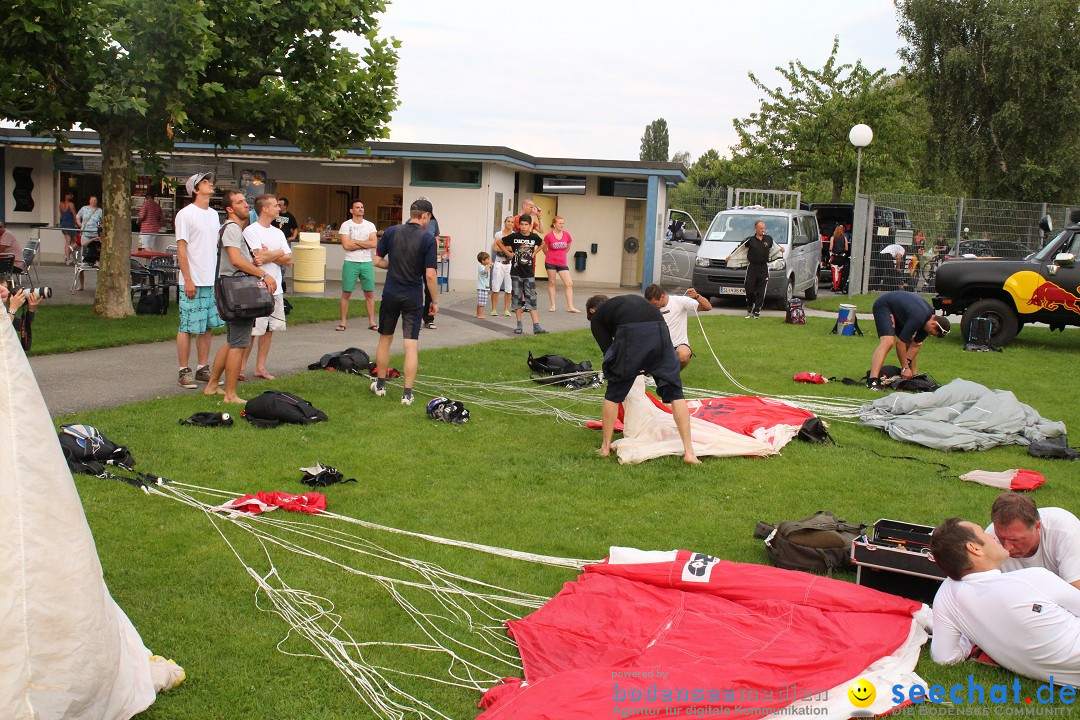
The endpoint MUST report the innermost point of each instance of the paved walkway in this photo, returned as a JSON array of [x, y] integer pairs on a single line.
[[110, 377]]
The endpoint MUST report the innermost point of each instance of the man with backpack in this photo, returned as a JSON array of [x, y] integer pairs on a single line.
[[230, 357]]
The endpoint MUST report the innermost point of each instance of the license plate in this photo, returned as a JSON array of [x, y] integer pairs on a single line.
[[732, 290]]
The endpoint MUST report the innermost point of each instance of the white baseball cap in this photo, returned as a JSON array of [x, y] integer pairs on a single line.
[[194, 180]]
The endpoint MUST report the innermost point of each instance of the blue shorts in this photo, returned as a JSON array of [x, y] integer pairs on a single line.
[[199, 314]]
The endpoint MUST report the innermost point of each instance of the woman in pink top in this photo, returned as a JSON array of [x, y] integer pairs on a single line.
[[556, 243]]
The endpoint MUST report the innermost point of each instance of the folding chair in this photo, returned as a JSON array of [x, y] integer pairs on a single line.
[[81, 266], [30, 254]]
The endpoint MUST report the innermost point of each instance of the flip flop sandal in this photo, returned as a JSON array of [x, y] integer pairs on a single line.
[[340, 328]]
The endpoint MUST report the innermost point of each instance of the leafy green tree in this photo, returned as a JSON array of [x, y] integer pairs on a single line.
[[143, 72], [1002, 82], [683, 158], [655, 141], [799, 135]]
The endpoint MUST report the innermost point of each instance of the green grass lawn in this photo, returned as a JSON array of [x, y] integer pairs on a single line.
[[513, 480], [71, 328]]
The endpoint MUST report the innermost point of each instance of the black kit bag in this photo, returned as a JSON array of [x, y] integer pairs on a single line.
[[87, 450], [240, 296], [350, 360], [274, 407], [820, 543], [560, 370], [151, 303]]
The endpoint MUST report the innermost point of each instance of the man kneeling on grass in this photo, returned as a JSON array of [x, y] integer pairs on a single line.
[[634, 339]]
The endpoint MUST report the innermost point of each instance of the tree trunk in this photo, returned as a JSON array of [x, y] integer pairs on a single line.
[[837, 190], [113, 296]]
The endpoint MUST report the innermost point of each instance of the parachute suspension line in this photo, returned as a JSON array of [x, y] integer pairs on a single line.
[[314, 618], [525, 397], [842, 409]]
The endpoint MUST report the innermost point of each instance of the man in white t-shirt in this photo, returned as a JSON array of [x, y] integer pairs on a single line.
[[675, 309], [1037, 537], [270, 249], [358, 240], [1027, 621], [196, 253]]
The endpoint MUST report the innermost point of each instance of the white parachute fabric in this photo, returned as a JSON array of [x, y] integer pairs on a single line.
[[69, 650], [649, 432]]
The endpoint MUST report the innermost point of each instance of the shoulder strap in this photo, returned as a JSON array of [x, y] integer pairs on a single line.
[[220, 237]]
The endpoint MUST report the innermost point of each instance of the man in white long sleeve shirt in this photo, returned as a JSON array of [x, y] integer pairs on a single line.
[[1027, 620]]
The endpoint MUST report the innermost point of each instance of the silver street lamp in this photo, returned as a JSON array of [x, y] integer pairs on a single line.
[[860, 136]]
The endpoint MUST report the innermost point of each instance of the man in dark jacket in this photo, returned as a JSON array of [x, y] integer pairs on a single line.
[[634, 339]]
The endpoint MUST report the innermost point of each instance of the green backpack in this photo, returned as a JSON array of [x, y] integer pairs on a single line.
[[820, 543]]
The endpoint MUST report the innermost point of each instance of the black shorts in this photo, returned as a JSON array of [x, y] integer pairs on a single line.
[[408, 307], [556, 268], [642, 347]]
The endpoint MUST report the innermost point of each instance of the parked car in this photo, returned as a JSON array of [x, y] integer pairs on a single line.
[[1042, 288], [681, 241], [719, 268]]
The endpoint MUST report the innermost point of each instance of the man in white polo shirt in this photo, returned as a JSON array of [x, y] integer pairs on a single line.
[[1028, 620], [675, 310], [197, 227], [358, 240], [271, 252], [1037, 537]]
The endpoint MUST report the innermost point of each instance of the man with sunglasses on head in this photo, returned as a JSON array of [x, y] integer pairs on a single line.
[[903, 319]]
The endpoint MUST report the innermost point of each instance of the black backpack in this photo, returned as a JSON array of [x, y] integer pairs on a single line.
[[820, 543], [796, 313], [151, 303], [87, 450], [274, 407], [555, 369], [350, 360]]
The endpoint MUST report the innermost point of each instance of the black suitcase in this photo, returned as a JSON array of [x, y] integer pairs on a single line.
[[896, 560]]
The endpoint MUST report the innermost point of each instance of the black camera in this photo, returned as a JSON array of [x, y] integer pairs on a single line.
[[40, 293]]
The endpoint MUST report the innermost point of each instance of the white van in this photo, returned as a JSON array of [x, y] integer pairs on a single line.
[[720, 266]]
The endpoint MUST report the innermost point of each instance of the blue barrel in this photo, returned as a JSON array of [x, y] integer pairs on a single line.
[[846, 319]]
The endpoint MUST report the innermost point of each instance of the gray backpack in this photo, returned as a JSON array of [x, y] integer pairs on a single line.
[[820, 543]]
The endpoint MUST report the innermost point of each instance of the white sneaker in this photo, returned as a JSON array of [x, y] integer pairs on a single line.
[[379, 391], [406, 399]]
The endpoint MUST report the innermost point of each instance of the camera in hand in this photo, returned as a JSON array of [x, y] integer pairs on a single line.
[[40, 293]]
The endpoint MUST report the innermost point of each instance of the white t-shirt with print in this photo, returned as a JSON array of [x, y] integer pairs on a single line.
[[675, 312], [257, 236], [199, 228], [1059, 545], [357, 232]]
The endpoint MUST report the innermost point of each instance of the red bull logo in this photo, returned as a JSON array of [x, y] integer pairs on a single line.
[[1032, 293], [1050, 297]]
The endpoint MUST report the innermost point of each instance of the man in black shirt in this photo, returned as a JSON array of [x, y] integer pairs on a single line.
[[286, 221], [634, 339], [758, 248]]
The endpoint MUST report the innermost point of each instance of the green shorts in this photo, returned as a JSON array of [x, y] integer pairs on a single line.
[[351, 271]]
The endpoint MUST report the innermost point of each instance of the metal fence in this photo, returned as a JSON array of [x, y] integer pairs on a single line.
[[930, 229]]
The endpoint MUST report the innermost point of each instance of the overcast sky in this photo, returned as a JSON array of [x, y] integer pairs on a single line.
[[582, 78]]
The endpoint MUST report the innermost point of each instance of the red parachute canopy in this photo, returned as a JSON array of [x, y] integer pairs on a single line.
[[686, 634]]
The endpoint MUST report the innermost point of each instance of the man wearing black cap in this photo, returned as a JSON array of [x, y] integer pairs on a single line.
[[408, 253], [903, 319]]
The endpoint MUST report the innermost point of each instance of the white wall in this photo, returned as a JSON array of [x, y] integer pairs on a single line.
[[44, 195], [594, 219]]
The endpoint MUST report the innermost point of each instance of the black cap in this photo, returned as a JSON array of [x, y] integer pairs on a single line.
[[422, 205]]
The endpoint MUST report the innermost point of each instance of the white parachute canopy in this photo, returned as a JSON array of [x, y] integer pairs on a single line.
[[68, 650]]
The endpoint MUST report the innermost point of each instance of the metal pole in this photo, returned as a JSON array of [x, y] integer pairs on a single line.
[[858, 171]]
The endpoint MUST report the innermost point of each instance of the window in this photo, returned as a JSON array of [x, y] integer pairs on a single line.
[[446, 174]]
